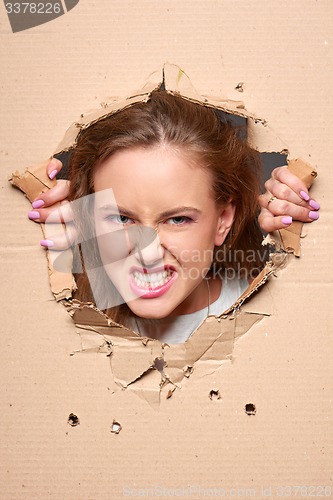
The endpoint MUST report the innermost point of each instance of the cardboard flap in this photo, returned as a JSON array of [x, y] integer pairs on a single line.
[[33, 182], [291, 236]]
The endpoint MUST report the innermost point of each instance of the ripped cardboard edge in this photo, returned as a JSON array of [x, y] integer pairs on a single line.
[[291, 236], [175, 81], [133, 358], [33, 182]]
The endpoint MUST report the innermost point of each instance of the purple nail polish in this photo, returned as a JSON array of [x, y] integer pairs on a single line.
[[33, 215], [304, 195], [314, 204], [314, 215], [287, 220], [53, 174], [46, 243], [38, 204]]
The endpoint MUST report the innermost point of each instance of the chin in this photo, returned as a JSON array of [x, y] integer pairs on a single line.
[[148, 312]]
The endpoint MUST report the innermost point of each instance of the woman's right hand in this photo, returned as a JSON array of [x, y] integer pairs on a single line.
[[45, 204], [54, 201]]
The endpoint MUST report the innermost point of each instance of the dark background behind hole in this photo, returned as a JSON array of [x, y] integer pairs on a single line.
[[269, 160]]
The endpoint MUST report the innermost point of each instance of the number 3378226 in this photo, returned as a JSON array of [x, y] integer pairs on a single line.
[[33, 8]]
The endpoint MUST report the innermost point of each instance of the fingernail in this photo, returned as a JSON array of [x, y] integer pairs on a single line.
[[33, 215], [287, 220], [52, 174], [38, 204], [304, 195], [46, 243], [313, 215], [314, 204]]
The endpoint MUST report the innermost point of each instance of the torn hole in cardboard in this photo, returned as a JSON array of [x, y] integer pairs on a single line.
[[147, 366]]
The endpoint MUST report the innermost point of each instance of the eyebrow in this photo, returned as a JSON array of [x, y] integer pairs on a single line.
[[165, 214]]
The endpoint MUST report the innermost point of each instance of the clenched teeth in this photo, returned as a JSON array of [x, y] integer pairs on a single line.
[[151, 280]]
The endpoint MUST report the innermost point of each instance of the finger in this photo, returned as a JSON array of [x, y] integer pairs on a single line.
[[59, 212], [283, 175], [54, 195], [59, 236], [53, 168], [283, 208], [283, 192], [269, 223]]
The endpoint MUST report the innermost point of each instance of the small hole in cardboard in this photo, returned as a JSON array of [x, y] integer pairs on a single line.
[[240, 87], [73, 420], [188, 370], [214, 395], [115, 427], [250, 409], [159, 364]]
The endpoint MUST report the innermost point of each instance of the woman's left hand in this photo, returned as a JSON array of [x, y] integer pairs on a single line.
[[286, 199]]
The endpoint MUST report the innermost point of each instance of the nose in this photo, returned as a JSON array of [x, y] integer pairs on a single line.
[[148, 248]]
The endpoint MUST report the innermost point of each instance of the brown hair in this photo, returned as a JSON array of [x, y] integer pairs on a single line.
[[194, 130]]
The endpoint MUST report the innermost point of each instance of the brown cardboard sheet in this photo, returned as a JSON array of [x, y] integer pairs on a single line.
[[253, 416]]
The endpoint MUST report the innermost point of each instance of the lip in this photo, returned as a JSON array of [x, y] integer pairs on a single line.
[[145, 293]]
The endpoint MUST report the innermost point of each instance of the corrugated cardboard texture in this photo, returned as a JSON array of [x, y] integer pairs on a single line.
[[203, 436]]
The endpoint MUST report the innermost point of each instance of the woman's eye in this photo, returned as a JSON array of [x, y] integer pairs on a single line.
[[119, 219], [180, 220]]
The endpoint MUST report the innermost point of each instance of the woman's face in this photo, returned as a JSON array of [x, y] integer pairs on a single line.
[[162, 232]]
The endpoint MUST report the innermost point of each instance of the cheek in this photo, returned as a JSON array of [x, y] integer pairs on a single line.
[[112, 245], [195, 249]]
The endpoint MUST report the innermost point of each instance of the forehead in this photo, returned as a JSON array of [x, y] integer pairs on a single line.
[[159, 170]]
